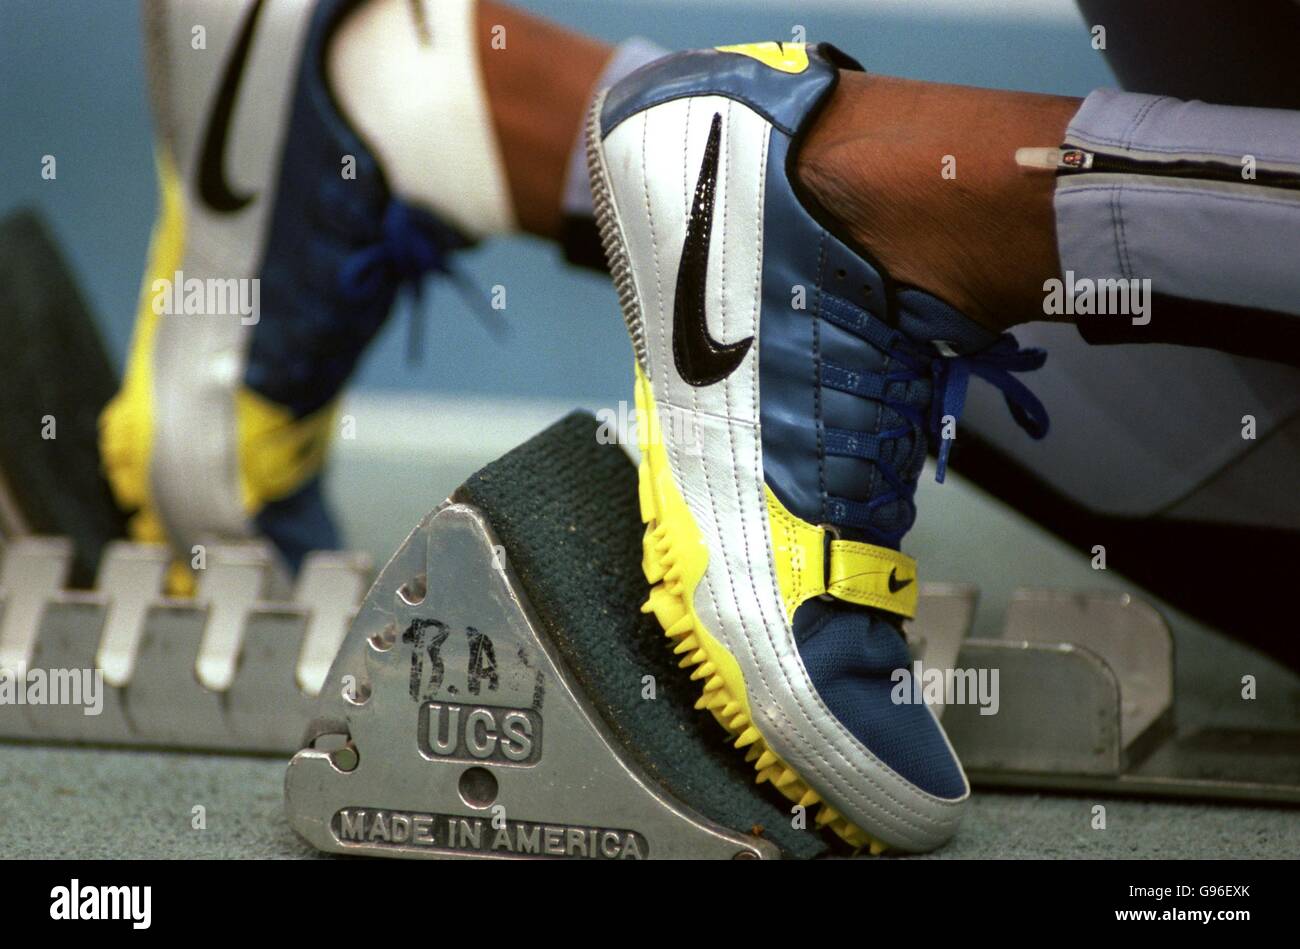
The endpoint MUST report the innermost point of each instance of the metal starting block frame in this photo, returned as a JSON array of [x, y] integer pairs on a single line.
[[439, 720], [449, 727], [229, 670], [1087, 704]]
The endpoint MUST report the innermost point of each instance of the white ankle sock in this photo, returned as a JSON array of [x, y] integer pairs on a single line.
[[628, 56], [412, 87]]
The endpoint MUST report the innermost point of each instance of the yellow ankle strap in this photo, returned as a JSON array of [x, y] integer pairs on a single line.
[[857, 573]]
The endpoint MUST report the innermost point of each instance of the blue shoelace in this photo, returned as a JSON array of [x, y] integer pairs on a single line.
[[412, 244], [949, 377]]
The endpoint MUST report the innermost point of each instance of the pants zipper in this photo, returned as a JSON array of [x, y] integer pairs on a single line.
[[1068, 160]]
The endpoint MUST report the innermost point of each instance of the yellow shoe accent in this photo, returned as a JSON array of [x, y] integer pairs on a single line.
[[277, 453], [675, 558], [799, 553], [126, 423], [180, 580], [859, 573], [873, 576], [785, 57]]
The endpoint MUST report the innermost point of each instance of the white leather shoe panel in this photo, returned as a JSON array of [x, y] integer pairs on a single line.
[[198, 360], [658, 183]]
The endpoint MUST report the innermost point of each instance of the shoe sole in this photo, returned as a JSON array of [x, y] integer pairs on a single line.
[[674, 556]]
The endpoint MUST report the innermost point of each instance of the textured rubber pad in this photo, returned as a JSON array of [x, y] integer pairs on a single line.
[[565, 508], [52, 363]]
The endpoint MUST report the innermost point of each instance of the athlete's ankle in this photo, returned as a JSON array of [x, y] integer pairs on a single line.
[[923, 176]]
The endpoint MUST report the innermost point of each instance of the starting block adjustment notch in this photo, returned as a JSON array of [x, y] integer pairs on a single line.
[[145, 656]]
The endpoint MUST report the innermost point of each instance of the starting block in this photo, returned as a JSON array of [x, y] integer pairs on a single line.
[[499, 694], [123, 665], [459, 731], [1088, 704]]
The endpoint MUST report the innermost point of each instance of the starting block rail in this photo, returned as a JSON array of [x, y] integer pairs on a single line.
[[224, 671], [466, 706]]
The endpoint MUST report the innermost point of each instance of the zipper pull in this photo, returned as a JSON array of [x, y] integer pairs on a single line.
[[1055, 159]]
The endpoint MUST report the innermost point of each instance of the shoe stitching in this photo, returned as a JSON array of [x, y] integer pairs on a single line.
[[719, 195]]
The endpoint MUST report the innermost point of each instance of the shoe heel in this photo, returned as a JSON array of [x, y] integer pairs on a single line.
[[611, 235]]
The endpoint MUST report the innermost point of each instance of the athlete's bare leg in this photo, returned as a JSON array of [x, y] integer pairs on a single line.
[[539, 86], [924, 176]]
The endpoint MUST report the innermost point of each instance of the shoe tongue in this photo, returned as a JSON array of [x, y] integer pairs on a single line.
[[925, 317]]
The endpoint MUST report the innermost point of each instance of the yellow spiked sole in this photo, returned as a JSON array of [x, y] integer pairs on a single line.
[[674, 558]]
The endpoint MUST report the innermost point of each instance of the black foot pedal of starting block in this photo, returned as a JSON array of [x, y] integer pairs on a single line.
[[55, 377]]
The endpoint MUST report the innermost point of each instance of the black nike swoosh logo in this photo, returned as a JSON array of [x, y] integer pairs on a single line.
[[894, 584], [213, 187], [701, 360]]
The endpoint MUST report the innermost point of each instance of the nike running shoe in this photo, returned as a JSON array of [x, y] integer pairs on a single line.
[[786, 389], [277, 253]]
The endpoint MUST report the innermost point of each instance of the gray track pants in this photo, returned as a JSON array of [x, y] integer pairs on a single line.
[[1158, 429]]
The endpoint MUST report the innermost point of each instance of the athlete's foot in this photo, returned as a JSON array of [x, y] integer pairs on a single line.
[[924, 175], [787, 389]]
